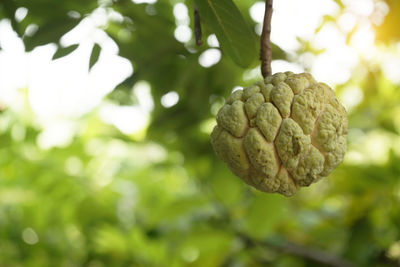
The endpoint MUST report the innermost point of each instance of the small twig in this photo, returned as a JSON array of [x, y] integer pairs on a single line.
[[265, 49], [197, 27], [311, 254]]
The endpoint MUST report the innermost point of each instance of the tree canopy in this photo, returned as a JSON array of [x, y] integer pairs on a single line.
[[106, 110]]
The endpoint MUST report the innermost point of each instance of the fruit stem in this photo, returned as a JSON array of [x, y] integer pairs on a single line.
[[265, 48]]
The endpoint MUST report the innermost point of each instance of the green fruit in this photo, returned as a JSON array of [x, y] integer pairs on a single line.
[[283, 133]]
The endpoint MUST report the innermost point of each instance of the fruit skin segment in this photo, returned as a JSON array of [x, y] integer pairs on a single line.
[[282, 133]]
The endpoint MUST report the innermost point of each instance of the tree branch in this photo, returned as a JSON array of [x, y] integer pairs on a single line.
[[312, 254], [265, 48], [322, 258]]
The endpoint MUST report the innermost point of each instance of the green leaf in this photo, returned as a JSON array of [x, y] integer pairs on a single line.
[[64, 51], [94, 56], [235, 36]]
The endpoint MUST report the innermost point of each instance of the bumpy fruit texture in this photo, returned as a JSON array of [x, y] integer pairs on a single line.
[[282, 133]]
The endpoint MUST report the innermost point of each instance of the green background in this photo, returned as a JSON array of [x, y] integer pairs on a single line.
[[167, 199]]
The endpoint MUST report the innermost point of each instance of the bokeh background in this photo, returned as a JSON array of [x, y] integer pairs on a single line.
[[106, 107]]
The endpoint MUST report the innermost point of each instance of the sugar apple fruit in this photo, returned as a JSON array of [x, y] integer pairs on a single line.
[[282, 133]]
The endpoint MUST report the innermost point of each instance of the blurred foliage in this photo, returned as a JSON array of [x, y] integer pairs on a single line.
[[107, 199], [387, 32]]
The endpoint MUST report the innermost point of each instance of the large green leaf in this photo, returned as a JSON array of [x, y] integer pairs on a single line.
[[235, 36]]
